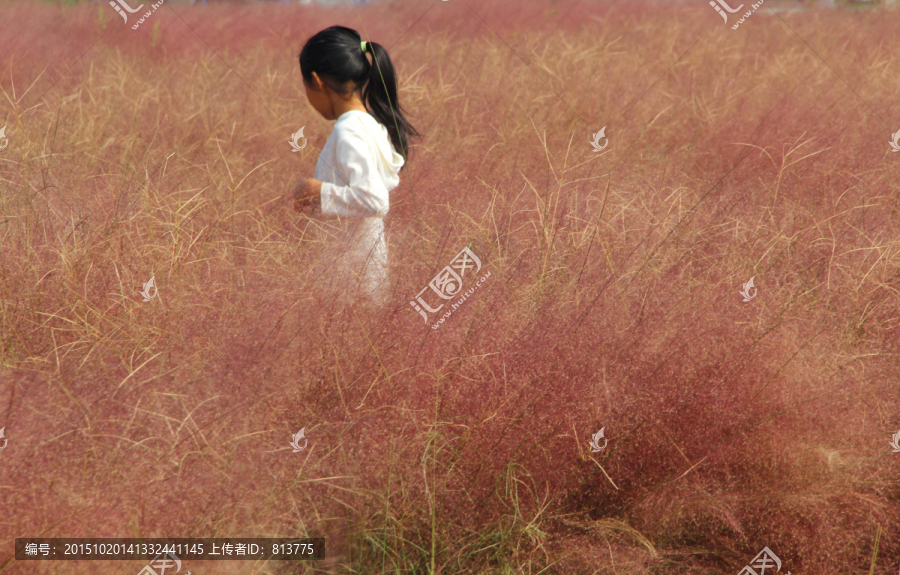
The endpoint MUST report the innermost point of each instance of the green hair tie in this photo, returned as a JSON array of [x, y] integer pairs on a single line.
[[363, 46]]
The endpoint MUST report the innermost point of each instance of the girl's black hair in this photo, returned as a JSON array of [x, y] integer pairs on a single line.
[[336, 56]]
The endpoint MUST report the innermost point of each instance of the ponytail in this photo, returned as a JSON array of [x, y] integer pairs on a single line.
[[380, 96], [338, 56]]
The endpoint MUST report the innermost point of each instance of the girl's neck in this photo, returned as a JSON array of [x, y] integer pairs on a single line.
[[341, 105]]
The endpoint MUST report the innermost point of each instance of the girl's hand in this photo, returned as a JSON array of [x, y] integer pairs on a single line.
[[307, 195]]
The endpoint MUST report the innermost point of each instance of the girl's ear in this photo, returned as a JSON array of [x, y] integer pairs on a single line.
[[317, 83]]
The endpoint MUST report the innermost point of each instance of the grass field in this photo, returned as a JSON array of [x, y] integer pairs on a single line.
[[614, 299]]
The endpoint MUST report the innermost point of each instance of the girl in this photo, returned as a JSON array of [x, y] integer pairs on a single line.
[[360, 162]]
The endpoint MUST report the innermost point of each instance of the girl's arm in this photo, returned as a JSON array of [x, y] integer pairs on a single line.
[[307, 194], [361, 191]]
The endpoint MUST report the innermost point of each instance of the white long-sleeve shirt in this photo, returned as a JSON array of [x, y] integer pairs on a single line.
[[359, 167]]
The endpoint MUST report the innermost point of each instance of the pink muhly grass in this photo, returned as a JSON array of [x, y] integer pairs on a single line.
[[613, 299]]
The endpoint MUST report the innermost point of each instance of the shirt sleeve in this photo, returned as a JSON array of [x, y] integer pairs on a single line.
[[364, 193]]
